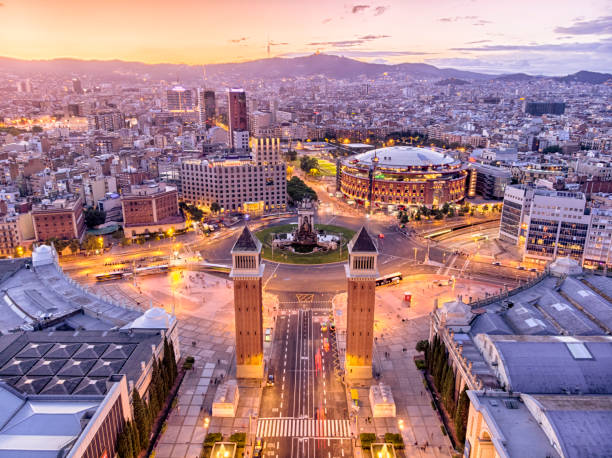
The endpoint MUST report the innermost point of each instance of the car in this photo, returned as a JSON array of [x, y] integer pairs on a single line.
[[496, 263], [521, 267], [324, 326], [326, 344], [332, 327], [270, 380], [533, 269], [381, 236], [268, 336]]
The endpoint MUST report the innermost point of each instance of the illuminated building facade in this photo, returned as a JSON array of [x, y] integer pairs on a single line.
[[547, 224], [179, 99], [402, 176], [361, 272], [238, 183], [237, 113], [151, 208], [247, 272], [62, 219], [207, 106]]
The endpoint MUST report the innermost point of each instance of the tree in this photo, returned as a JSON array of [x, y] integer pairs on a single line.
[[422, 345], [141, 419], [448, 394], [445, 208], [37, 129], [461, 415], [91, 243], [74, 246], [125, 443], [291, 155], [307, 163], [94, 217], [297, 190], [215, 207]]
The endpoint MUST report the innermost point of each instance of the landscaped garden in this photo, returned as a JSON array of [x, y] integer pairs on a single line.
[[318, 257]]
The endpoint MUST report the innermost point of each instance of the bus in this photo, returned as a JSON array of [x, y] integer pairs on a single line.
[[151, 270], [216, 267], [394, 278], [480, 237], [110, 276]]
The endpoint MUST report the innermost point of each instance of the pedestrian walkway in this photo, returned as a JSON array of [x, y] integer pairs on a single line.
[[302, 427]]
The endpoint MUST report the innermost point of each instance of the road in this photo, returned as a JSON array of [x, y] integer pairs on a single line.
[[304, 414]]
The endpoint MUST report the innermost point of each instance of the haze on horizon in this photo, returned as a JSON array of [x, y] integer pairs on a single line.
[[536, 37]]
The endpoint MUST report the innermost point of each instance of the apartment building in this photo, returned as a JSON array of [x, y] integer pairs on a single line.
[[61, 219], [149, 208]]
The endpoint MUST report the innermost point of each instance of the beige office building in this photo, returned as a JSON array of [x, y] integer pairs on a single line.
[[255, 183]]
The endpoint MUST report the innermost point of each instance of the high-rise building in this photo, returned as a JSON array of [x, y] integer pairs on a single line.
[[208, 104], [240, 140], [598, 248], [247, 272], [24, 86], [266, 151], [361, 273], [179, 99], [540, 108], [236, 113], [77, 86], [106, 120], [547, 224], [253, 185]]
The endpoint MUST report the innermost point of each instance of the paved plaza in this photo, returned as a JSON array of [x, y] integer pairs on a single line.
[[397, 329]]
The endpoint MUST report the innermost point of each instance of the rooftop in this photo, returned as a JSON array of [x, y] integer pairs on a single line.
[[39, 426], [73, 362], [246, 242], [404, 156], [362, 242]]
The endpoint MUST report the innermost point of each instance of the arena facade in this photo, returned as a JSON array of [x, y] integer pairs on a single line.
[[402, 176]]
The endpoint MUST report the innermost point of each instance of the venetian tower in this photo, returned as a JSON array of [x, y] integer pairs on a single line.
[[247, 272], [361, 274]]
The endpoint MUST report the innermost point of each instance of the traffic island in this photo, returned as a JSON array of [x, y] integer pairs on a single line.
[[274, 251]]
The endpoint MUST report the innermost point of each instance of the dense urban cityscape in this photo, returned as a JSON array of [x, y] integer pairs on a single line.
[[316, 253]]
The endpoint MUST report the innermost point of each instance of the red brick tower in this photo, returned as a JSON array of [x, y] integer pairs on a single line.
[[247, 273], [361, 273]]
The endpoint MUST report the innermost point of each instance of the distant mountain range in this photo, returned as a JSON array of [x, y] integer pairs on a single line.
[[326, 65]]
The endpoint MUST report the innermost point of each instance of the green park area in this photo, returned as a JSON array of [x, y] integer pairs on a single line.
[[266, 236], [326, 168]]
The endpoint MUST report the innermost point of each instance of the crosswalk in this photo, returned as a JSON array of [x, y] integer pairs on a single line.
[[301, 427]]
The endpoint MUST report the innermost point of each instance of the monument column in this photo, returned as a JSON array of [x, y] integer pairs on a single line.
[[361, 273], [247, 272]]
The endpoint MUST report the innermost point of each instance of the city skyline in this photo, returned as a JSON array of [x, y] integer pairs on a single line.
[[545, 38]]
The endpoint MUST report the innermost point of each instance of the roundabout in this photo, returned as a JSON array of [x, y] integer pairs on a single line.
[[274, 251]]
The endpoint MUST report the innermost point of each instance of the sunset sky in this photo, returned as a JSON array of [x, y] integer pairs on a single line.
[[534, 36]]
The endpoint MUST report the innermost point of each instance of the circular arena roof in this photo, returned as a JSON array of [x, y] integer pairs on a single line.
[[405, 156]]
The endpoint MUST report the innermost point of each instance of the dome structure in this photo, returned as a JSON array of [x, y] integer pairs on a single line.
[[43, 255], [405, 156], [154, 318], [402, 176]]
